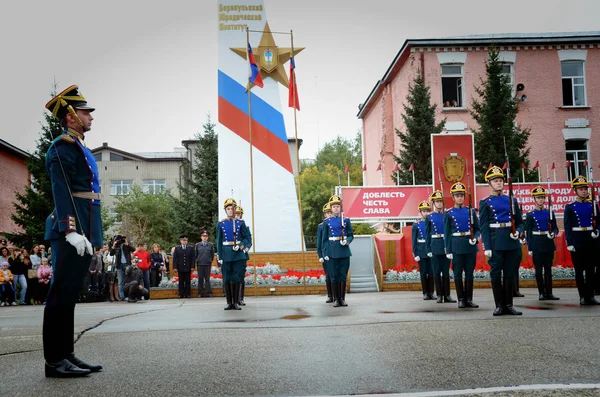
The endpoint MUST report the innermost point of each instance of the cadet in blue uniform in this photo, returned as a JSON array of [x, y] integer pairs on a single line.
[[72, 228], [336, 236], [420, 252], [501, 246], [582, 240], [321, 254], [540, 242], [435, 248], [239, 214], [233, 243], [460, 248]]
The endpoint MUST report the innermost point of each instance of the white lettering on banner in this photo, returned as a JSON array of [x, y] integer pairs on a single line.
[[368, 195], [375, 203], [378, 211]]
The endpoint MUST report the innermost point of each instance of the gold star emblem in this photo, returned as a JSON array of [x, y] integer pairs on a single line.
[[270, 58]]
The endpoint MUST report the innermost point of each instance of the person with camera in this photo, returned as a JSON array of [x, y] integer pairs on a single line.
[[134, 284], [122, 251]]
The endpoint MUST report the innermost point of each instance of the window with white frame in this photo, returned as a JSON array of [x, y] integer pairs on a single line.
[[120, 187], [573, 83], [452, 85], [154, 186], [577, 155], [508, 71]]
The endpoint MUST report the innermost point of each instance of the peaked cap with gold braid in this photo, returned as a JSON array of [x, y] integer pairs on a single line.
[[67, 102]]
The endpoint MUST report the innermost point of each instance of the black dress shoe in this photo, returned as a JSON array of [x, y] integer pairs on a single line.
[[242, 303], [552, 298], [83, 365], [499, 311], [440, 299], [235, 306], [228, 307], [583, 302], [343, 303], [511, 311], [329, 299], [592, 301], [518, 295], [471, 304], [461, 304], [64, 369], [542, 297], [448, 299]]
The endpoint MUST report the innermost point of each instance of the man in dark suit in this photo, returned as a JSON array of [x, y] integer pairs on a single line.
[[183, 261]]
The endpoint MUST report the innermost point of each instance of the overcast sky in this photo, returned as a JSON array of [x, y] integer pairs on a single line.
[[150, 68]]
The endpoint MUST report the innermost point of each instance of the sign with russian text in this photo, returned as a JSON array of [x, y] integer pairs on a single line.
[[383, 202]]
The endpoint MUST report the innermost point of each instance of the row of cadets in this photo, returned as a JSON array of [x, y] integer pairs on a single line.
[[420, 252], [460, 248], [320, 252], [436, 250], [336, 237], [582, 239], [540, 242], [239, 214], [233, 242]]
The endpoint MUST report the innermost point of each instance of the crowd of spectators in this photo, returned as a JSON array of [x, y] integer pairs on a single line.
[[25, 275]]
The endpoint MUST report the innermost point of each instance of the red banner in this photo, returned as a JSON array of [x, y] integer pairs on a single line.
[[383, 202]]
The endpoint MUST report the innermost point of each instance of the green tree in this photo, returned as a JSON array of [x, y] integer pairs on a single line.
[[343, 153], [197, 206], [107, 222], [317, 186], [145, 217], [34, 205], [415, 142], [495, 111]]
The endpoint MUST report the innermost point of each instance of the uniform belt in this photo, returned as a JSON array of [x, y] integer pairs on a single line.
[[335, 238], [461, 233], [500, 225], [87, 195], [538, 233], [229, 243], [582, 229], [420, 240], [437, 235]]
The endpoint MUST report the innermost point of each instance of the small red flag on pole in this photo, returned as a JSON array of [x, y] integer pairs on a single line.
[[412, 167], [537, 165], [347, 169], [505, 166], [585, 163], [379, 167], [523, 166], [364, 168], [491, 165], [554, 166], [396, 168]]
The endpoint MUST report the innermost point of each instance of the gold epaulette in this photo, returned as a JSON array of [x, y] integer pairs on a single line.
[[67, 138]]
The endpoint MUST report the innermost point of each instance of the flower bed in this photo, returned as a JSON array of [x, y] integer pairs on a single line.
[[410, 273], [266, 274]]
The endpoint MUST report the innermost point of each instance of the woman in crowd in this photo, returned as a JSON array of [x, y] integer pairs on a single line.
[[44, 273], [4, 255], [35, 257], [157, 261], [7, 289], [19, 270], [30, 277]]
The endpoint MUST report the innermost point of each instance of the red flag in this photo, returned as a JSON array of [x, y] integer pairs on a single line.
[[505, 166], [347, 169], [364, 167], [379, 167], [553, 166], [585, 163], [568, 164], [491, 165], [537, 165], [523, 166], [411, 168], [396, 168], [254, 76], [292, 87]]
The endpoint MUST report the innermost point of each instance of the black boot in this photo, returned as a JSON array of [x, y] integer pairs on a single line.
[[548, 285], [469, 294], [430, 287], [64, 369], [460, 292], [509, 283], [335, 287], [516, 292], [235, 287], [329, 293], [439, 288], [446, 283], [241, 300], [498, 292], [424, 287], [228, 296], [343, 294]]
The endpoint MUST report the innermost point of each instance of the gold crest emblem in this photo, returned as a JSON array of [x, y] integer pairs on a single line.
[[268, 59], [454, 168]]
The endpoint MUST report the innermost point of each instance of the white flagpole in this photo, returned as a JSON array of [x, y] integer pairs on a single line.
[[398, 178], [348, 178], [523, 173], [539, 176], [413, 173]]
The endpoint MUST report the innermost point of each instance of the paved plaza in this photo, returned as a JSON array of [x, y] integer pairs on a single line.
[[382, 343]]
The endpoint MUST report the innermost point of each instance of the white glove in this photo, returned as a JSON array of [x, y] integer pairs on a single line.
[[523, 241], [514, 236], [550, 235], [417, 258], [343, 242], [473, 242], [220, 261], [449, 256], [246, 250], [571, 248], [321, 260], [530, 253], [80, 242], [594, 235], [488, 253], [429, 255], [326, 257], [236, 247]]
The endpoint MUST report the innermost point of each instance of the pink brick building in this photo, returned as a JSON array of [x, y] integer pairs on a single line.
[[14, 176], [560, 75]]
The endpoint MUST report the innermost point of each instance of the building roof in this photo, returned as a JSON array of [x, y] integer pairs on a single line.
[[498, 39], [12, 149], [145, 156]]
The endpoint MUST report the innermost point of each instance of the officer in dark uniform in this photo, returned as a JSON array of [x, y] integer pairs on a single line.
[[72, 228], [460, 248], [335, 239], [326, 215], [239, 214], [540, 242], [436, 249], [501, 246], [183, 261], [582, 240], [233, 243], [420, 251]]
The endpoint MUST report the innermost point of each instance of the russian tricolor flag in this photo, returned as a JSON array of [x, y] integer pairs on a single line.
[[253, 71], [292, 87]]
